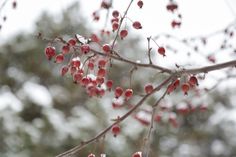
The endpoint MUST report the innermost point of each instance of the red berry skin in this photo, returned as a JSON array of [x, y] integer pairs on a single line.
[[193, 81], [101, 73], [106, 48], [161, 50], [118, 92], [115, 26], [14, 4], [72, 42], [128, 93], [77, 77], [137, 154], [123, 33], [91, 155], [185, 88], [137, 25], [148, 88], [64, 70], [65, 49], [102, 63], [109, 84], [115, 130], [59, 58], [75, 62], [85, 48], [172, 7], [140, 4], [91, 65], [50, 52], [115, 14]]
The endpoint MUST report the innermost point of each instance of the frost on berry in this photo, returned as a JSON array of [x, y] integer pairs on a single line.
[[123, 33], [128, 93], [91, 155], [75, 62], [137, 25], [137, 154], [50, 52]]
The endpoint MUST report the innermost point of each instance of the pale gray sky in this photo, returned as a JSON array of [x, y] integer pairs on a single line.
[[199, 16]]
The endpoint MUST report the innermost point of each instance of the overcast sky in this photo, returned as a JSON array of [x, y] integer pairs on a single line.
[[199, 16]]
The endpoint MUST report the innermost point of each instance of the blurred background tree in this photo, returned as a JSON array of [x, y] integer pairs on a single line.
[[43, 114]]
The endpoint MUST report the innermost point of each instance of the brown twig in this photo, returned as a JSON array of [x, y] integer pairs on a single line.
[[74, 150]]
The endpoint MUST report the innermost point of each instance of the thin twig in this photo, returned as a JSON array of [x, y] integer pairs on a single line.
[[74, 150]]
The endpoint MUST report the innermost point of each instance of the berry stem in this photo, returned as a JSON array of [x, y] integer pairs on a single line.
[[118, 30]]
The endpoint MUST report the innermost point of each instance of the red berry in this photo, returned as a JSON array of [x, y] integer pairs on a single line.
[[193, 81], [59, 58], [140, 4], [148, 88], [64, 70], [118, 92], [115, 130], [109, 84], [85, 48], [72, 70], [77, 77], [114, 20], [115, 13], [128, 93], [85, 81], [101, 73], [100, 80], [75, 62], [170, 88], [137, 25], [72, 42], [137, 154], [161, 50], [95, 38], [115, 26], [106, 48], [65, 49], [185, 88], [50, 52], [175, 24], [91, 155], [102, 63], [91, 65], [176, 83], [172, 7], [123, 33], [14, 4]]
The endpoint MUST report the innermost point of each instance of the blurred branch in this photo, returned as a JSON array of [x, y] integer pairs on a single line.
[[120, 119]]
